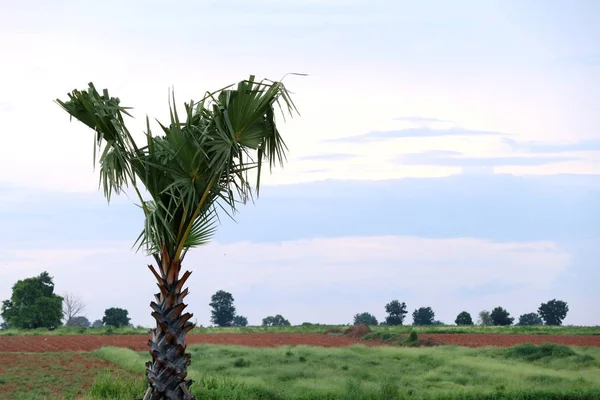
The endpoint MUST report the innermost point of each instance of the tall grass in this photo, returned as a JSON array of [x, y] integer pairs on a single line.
[[358, 372]]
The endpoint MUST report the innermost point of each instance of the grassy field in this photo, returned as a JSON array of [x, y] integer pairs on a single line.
[[383, 373], [526, 330]]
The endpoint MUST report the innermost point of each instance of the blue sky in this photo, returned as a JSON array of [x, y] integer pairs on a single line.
[[447, 154]]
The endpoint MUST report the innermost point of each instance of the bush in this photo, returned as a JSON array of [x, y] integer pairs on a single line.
[[530, 319], [501, 317], [531, 352], [464, 318], [365, 318]]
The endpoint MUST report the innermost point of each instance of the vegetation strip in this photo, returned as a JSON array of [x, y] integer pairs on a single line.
[[359, 372]]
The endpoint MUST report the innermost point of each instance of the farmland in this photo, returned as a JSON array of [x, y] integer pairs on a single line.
[[305, 363]]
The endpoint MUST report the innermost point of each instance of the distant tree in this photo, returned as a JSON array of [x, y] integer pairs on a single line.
[[72, 306], [553, 312], [501, 317], [530, 319], [396, 312], [97, 324], [365, 318], [116, 317], [423, 316], [485, 318], [33, 304], [240, 320], [223, 310], [3, 325], [80, 321], [464, 318], [277, 320], [437, 322]]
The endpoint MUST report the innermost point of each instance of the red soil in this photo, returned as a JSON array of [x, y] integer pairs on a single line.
[[46, 374], [140, 342]]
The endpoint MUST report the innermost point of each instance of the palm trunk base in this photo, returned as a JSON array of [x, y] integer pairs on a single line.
[[167, 371], [185, 393]]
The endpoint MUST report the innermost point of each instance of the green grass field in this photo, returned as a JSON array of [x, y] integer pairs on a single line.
[[406, 329], [382, 373]]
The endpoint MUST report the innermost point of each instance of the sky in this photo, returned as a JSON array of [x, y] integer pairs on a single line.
[[447, 154]]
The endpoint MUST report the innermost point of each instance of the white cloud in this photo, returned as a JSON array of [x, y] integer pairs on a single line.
[[353, 86], [319, 280]]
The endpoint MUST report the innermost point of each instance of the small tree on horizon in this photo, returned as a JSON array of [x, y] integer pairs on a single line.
[[72, 306], [423, 316], [365, 318], [116, 317], [464, 318], [530, 319], [97, 323], [79, 321], [223, 310], [485, 318], [277, 320], [240, 320], [396, 312], [553, 312], [501, 317]]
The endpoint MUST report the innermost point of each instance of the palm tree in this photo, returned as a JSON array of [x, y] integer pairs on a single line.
[[196, 166]]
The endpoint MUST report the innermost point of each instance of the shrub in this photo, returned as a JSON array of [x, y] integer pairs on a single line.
[[464, 318]]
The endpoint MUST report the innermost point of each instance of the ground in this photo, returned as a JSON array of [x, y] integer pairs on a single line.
[[140, 342], [44, 367], [65, 375]]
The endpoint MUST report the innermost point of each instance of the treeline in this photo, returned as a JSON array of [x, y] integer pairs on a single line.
[[34, 304], [552, 312]]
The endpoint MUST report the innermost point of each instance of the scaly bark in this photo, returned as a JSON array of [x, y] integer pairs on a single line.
[[167, 372]]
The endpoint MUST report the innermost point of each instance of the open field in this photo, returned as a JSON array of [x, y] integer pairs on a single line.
[[383, 373], [140, 342], [315, 328], [66, 375]]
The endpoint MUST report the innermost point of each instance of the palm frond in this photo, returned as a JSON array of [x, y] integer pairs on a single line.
[[199, 163]]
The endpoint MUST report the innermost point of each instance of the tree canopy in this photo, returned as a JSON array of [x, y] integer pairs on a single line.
[[365, 318], [464, 318], [396, 312], [484, 318], [223, 310], [501, 317], [80, 321], [530, 319], [240, 320], [116, 317], [553, 312], [277, 320], [33, 304], [423, 316]]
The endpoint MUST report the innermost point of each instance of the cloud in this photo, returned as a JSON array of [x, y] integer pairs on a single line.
[[328, 157], [5, 106], [454, 159], [560, 207], [546, 147], [418, 120], [375, 136], [344, 275]]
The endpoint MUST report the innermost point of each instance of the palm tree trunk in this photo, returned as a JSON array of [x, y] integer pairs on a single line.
[[167, 371]]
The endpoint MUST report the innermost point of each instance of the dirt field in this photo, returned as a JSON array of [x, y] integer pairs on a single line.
[[51, 376], [139, 342]]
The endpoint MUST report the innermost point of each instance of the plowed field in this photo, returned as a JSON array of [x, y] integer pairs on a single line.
[[139, 342]]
